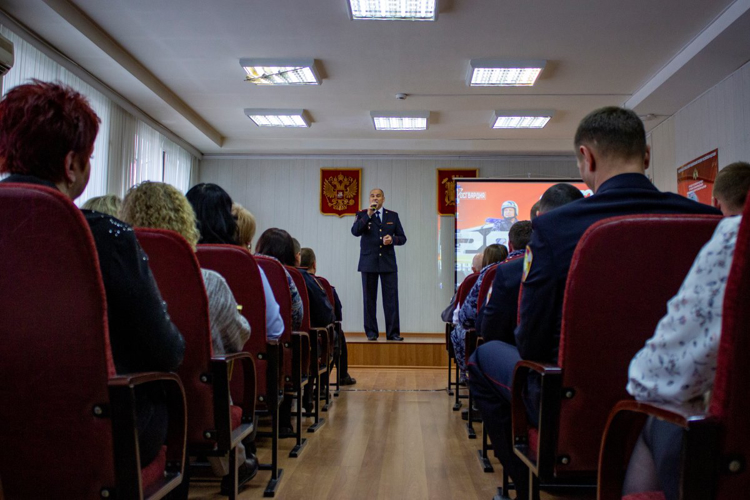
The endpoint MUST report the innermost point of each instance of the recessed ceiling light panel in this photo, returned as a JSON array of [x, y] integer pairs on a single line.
[[521, 119], [495, 73], [400, 120], [394, 10], [282, 118], [280, 71]]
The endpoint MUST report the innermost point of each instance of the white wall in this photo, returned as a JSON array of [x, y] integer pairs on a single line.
[[285, 193], [720, 118]]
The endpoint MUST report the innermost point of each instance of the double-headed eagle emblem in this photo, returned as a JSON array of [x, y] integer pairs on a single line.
[[340, 191]]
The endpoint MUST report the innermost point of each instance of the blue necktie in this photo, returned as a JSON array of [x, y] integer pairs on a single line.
[[377, 216]]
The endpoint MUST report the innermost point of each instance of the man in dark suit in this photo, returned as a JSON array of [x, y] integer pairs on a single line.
[[612, 156], [379, 231]]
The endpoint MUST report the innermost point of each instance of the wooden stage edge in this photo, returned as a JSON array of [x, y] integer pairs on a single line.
[[418, 350]]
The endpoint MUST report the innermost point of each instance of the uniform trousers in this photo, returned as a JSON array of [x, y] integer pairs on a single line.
[[390, 303]]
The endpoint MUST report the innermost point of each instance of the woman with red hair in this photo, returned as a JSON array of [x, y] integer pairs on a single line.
[[47, 134]]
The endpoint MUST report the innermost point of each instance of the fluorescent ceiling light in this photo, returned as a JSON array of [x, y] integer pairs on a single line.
[[394, 10], [494, 73], [280, 71], [397, 120], [521, 119], [285, 118]]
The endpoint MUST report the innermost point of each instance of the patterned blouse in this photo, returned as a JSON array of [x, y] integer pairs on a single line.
[[297, 306], [678, 363], [467, 315]]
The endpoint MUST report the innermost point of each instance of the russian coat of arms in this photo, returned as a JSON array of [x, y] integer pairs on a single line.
[[340, 191]]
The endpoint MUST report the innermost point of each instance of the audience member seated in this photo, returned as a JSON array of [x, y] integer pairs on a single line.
[[108, 204], [612, 156], [162, 206], [47, 134], [534, 210], [498, 318], [467, 313], [309, 263], [213, 211], [278, 244], [297, 252], [678, 364], [246, 225]]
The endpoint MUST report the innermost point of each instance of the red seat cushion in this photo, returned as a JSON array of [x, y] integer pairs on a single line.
[[648, 495], [533, 439], [236, 416], [155, 470]]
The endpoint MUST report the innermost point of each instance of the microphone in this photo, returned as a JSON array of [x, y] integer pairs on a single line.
[[373, 206]]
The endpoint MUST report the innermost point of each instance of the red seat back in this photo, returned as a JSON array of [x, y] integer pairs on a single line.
[[241, 272], [276, 276], [623, 272], [465, 287], [178, 275], [484, 288], [328, 288], [55, 358], [730, 403]]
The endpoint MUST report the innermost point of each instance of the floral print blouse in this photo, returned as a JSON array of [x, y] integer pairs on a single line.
[[678, 364]]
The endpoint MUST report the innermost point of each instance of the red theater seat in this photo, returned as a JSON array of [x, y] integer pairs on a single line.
[[335, 330], [240, 270], [717, 443], [461, 293], [67, 421], [206, 377], [623, 272]]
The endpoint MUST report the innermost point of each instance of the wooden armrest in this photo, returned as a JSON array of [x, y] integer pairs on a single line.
[[221, 366], [470, 342], [123, 414], [549, 410]]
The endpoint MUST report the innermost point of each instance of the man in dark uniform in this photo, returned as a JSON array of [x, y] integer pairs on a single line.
[[612, 156], [379, 230]]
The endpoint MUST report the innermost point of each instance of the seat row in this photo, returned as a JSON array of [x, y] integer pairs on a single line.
[[69, 421], [587, 423]]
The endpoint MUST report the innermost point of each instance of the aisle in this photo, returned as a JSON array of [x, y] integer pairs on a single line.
[[393, 436]]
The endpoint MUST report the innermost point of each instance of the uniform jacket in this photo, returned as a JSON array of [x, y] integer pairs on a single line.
[[553, 240], [498, 318], [374, 257]]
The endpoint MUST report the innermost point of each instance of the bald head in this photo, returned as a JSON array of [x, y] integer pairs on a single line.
[[476, 262]]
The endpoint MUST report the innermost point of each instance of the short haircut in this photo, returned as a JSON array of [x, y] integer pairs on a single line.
[[307, 257], [732, 184], [245, 224], [297, 246], [520, 234], [378, 189], [40, 123], [213, 211], [108, 204], [559, 195], [161, 206], [276, 243], [534, 210], [613, 132], [494, 253]]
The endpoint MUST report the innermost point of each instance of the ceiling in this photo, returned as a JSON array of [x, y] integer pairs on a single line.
[[178, 61]]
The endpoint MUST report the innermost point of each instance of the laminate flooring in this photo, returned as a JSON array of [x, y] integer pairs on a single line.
[[393, 435]]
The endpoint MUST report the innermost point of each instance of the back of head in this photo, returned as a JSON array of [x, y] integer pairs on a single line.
[[245, 225], [161, 206], [277, 243], [40, 123], [520, 234], [534, 210], [297, 246], [494, 253], [557, 196], [108, 204], [476, 262], [731, 187], [307, 257], [213, 210], [615, 133]]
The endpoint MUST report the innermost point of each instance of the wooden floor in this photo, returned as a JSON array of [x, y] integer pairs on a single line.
[[393, 435]]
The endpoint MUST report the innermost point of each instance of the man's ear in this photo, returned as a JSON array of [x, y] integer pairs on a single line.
[[647, 158], [588, 158]]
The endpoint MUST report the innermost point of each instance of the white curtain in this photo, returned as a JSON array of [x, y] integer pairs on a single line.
[[127, 150]]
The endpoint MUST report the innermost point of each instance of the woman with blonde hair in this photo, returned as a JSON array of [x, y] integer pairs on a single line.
[[245, 225], [162, 206], [108, 204]]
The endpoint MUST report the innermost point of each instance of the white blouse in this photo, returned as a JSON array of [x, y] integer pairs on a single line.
[[678, 363]]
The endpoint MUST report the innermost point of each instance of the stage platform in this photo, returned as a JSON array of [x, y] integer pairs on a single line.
[[418, 350]]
